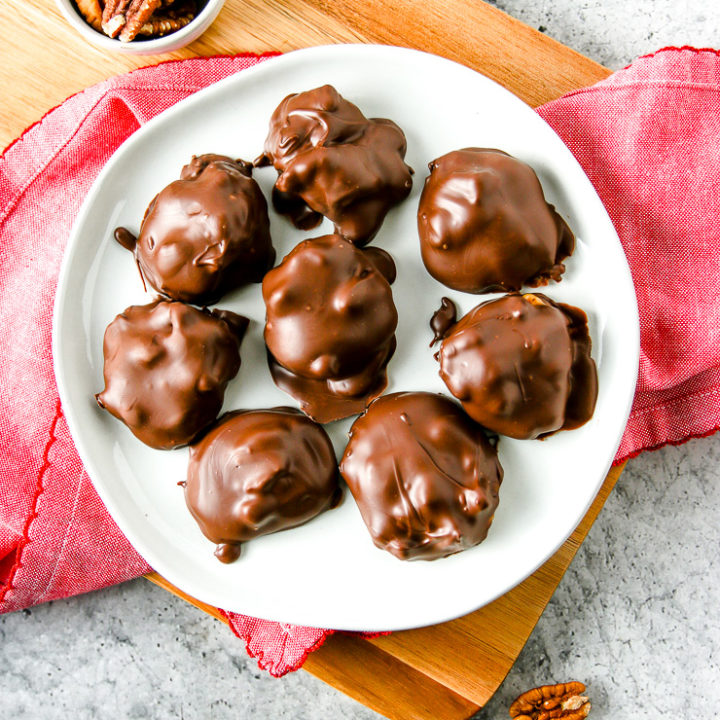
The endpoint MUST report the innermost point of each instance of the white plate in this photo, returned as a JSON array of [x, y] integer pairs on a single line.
[[328, 573]]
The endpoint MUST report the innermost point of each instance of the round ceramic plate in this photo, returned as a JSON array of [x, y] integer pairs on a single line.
[[328, 573]]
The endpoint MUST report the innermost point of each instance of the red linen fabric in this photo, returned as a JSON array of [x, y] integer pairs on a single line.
[[647, 137]]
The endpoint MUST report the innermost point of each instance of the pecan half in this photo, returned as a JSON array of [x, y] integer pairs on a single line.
[[91, 12], [171, 17], [113, 17], [158, 26], [139, 12], [548, 702], [124, 18]]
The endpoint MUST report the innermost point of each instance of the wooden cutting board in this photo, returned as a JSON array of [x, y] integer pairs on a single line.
[[446, 671]]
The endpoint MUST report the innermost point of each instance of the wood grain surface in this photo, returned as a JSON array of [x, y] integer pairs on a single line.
[[445, 671], [49, 60]]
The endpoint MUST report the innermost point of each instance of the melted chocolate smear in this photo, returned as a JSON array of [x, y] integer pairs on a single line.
[[237, 323], [140, 273], [583, 374], [443, 319], [316, 397], [129, 241], [383, 261], [294, 208], [228, 552], [125, 238]]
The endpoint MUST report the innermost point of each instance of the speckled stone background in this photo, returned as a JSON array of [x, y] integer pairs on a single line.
[[637, 616]]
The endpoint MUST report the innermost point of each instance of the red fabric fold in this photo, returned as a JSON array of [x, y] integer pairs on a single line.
[[647, 137], [279, 648]]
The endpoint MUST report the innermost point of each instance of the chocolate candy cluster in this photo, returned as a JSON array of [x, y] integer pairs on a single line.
[[423, 469]]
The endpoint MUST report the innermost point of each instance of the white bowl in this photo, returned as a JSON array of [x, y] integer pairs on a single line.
[[156, 46]]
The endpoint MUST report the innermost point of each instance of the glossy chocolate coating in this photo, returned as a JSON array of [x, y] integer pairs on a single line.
[[333, 161], [423, 474], [443, 319], [205, 234], [484, 224], [259, 471], [521, 366], [330, 328], [166, 369]]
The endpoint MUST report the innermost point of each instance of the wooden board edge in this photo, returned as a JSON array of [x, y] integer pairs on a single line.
[[445, 30], [353, 672], [540, 587], [384, 683], [160, 581], [530, 64], [351, 665]]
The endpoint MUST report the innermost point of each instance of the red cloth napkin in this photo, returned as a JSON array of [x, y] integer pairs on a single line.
[[647, 137]]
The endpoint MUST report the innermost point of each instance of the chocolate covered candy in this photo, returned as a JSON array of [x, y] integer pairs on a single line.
[[333, 161], [166, 369], [521, 365], [205, 234], [330, 328], [256, 472], [423, 474], [484, 224]]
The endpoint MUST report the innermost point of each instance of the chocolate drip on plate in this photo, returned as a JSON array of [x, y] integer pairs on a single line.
[[125, 238], [443, 319]]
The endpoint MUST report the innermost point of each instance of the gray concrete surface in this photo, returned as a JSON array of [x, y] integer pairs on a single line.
[[637, 617]]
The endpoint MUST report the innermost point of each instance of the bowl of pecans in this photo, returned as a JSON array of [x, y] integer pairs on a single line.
[[140, 27]]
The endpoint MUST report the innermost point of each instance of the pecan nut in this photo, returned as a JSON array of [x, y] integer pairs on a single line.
[[128, 19], [171, 17], [113, 16], [548, 702], [124, 18], [91, 12]]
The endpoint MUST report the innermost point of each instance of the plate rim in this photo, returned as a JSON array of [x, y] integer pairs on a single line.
[[73, 246]]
